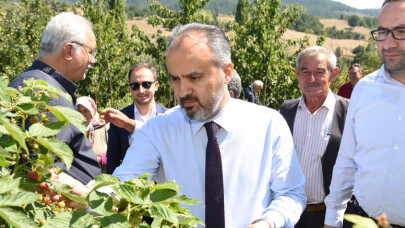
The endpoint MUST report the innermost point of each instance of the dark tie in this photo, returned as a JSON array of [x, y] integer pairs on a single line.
[[214, 186]]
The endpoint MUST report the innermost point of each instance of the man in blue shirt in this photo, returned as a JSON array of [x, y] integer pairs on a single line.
[[263, 185], [371, 158]]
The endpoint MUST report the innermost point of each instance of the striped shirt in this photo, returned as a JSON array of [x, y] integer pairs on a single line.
[[311, 136]]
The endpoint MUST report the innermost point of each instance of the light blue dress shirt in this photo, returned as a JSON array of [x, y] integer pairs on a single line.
[[372, 152], [262, 175]]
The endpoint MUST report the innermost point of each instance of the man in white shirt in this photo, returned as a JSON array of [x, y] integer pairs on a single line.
[[371, 158], [316, 121], [262, 181], [143, 85]]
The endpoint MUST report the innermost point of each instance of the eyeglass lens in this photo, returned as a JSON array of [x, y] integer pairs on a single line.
[[382, 34], [136, 85]]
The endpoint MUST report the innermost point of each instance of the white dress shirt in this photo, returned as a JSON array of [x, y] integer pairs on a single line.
[[141, 120], [371, 159], [262, 175], [311, 136]]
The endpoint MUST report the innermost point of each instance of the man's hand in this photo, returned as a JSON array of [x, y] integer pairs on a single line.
[[77, 189], [119, 119], [261, 224]]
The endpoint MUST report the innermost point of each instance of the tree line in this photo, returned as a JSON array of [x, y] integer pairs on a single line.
[[259, 50]]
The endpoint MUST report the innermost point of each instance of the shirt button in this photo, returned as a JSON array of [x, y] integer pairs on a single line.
[[387, 204], [399, 117], [309, 135], [390, 176], [395, 147]]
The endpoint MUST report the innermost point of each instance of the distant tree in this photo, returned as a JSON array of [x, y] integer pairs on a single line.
[[338, 52], [242, 12], [306, 22], [354, 20], [260, 51], [170, 18]]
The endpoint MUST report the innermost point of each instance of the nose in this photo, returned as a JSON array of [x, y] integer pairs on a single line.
[[141, 89], [184, 88], [92, 60], [389, 42]]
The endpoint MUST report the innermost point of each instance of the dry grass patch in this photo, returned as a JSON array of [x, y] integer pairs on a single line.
[[342, 24], [346, 45]]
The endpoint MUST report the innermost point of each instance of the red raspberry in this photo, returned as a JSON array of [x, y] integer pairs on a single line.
[[33, 175]]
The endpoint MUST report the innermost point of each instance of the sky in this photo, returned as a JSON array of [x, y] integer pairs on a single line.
[[362, 4]]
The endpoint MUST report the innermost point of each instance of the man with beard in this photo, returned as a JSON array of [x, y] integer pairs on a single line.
[[143, 85], [316, 122], [67, 50], [245, 172], [370, 163]]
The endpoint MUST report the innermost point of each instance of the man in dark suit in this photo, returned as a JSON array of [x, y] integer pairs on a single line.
[[252, 91], [316, 121], [143, 85]]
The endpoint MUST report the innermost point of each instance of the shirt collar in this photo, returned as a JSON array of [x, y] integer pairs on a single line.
[[384, 75], [152, 112], [68, 85], [223, 118], [329, 102]]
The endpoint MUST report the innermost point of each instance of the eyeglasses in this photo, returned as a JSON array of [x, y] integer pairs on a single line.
[[135, 85], [382, 34], [92, 52]]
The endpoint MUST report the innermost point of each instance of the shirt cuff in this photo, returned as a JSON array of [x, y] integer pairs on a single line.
[[275, 219], [334, 217]]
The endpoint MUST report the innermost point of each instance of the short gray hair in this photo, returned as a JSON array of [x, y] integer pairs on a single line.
[[62, 28], [314, 51], [215, 39], [235, 85]]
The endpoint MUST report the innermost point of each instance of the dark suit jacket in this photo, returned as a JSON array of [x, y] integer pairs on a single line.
[[84, 166], [289, 110], [118, 142]]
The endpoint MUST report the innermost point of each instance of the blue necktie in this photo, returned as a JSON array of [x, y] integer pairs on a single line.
[[214, 184]]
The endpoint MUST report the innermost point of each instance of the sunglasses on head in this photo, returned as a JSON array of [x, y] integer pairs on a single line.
[[135, 85]]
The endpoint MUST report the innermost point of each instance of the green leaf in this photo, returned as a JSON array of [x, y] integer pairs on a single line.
[[45, 130], [360, 222], [105, 180], [62, 188], [16, 218], [100, 203], [71, 219], [183, 199], [190, 220], [5, 158], [9, 185], [59, 148], [53, 90], [163, 211], [75, 198], [130, 193], [15, 132], [71, 116], [18, 199], [38, 211], [169, 185], [157, 223], [29, 100], [115, 221], [162, 194], [29, 109], [3, 83]]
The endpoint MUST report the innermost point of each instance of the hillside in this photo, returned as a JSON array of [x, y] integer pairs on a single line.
[[320, 8]]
